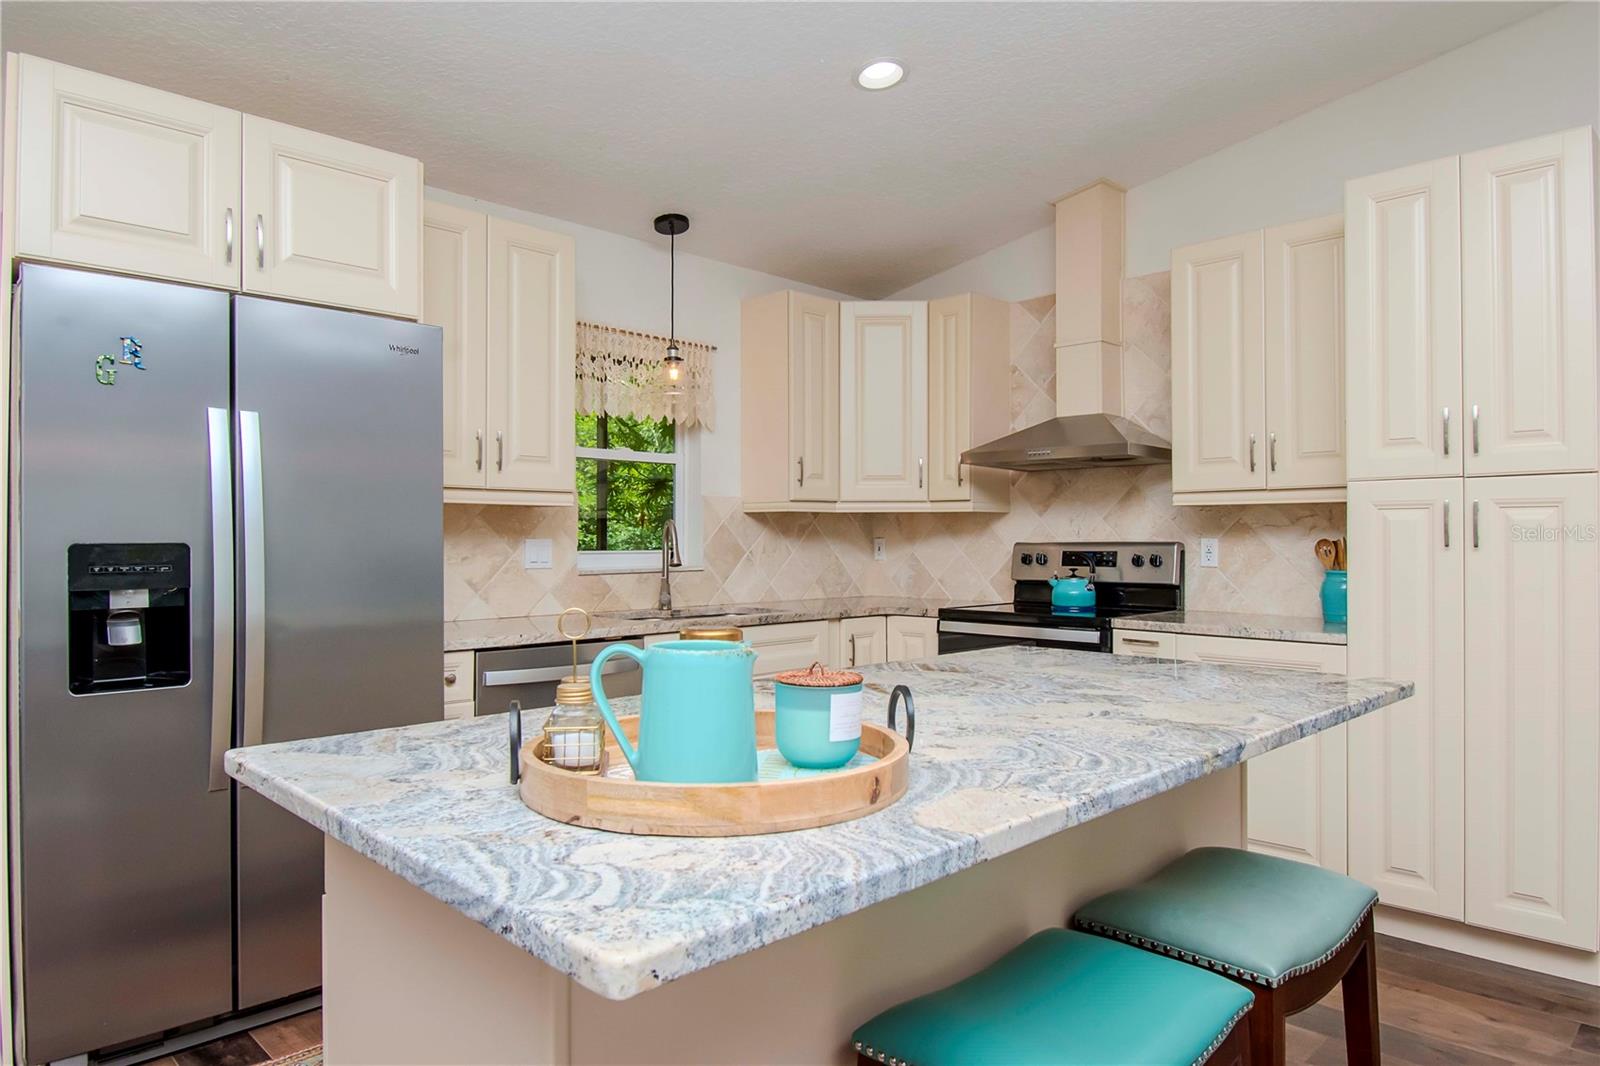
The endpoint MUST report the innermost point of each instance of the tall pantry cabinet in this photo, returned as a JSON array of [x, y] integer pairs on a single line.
[[1473, 510]]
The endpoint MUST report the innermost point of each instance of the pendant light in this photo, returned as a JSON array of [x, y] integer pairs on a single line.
[[672, 364]]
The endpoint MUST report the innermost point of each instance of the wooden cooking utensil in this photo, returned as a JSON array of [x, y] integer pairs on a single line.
[[1327, 553], [1341, 557]]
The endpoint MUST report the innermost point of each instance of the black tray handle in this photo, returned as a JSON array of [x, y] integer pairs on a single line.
[[911, 713], [515, 718]]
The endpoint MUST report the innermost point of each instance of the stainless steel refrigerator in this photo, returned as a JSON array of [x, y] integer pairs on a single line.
[[227, 531]]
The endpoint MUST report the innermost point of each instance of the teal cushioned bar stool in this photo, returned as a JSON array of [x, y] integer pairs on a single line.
[[1286, 930], [1067, 999]]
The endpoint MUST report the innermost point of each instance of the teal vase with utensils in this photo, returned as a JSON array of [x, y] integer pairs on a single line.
[[697, 715], [1335, 595]]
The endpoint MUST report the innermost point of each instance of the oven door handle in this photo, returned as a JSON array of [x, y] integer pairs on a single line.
[[989, 629]]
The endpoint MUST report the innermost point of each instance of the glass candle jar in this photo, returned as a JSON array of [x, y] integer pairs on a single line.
[[574, 734]]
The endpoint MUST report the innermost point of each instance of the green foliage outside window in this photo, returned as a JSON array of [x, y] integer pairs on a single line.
[[622, 504]]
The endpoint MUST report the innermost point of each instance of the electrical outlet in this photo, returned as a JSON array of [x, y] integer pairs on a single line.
[[1210, 553], [537, 554], [879, 549]]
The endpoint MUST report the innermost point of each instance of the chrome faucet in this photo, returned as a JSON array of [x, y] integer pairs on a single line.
[[670, 556]]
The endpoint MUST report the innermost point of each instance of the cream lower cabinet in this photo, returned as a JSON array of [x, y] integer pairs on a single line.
[[912, 639], [883, 401], [1532, 670], [330, 221], [503, 293], [1258, 366], [460, 679], [1407, 609], [860, 642], [789, 646]]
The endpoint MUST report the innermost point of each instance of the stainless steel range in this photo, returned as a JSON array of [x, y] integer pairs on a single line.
[[1130, 577]]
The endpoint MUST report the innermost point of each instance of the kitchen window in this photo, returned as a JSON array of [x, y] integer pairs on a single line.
[[633, 475]]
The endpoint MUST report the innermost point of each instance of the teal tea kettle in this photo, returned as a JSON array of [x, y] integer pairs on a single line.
[[1072, 594], [697, 717]]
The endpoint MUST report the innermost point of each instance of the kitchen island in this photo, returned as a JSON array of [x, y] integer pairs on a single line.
[[461, 927]]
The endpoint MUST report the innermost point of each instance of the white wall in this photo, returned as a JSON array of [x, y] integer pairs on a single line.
[[1536, 76], [622, 281]]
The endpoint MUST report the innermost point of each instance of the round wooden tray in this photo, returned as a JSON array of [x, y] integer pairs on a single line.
[[624, 805]]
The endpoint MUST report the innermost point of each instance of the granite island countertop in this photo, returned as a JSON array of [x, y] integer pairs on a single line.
[[1308, 628], [1013, 745], [484, 633]]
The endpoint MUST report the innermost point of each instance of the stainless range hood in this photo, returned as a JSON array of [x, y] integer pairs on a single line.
[[1073, 441], [1089, 429]]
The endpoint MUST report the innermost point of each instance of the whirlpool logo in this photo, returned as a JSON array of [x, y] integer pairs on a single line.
[[404, 349]]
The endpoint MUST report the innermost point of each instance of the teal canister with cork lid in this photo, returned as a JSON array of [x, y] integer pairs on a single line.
[[817, 716]]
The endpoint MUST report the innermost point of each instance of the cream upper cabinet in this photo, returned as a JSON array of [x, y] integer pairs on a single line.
[[330, 221], [1407, 598], [117, 175], [455, 297], [1528, 306], [532, 340], [862, 642], [1403, 322], [1294, 795], [503, 294], [969, 395], [883, 400], [813, 323], [1218, 370], [1304, 308], [912, 639], [1533, 729]]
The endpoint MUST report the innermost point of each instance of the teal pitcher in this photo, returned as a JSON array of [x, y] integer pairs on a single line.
[[697, 717]]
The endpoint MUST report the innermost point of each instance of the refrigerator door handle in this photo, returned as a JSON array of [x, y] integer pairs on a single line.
[[255, 579], [221, 594]]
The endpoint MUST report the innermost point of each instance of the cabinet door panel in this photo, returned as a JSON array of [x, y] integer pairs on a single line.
[[813, 397], [1528, 305], [787, 646], [883, 401], [1406, 606], [1403, 322], [912, 639], [949, 396], [1218, 375], [532, 349], [1305, 354], [121, 176], [340, 223], [862, 641], [1533, 730], [455, 298]]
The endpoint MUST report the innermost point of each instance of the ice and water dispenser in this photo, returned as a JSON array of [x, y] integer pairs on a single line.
[[128, 617]]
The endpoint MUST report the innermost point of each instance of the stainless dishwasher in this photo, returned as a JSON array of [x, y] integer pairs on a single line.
[[529, 675]]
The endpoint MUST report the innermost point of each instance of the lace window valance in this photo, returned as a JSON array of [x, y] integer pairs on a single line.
[[620, 373]]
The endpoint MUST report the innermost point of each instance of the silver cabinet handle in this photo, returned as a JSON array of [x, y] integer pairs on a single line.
[[221, 594], [479, 436], [1447, 523], [1476, 444], [500, 449], [261, 245], [1252, 453], [1142, 642], [852, 649], [800, 478], [919, 471], [960, 477], [1447, 431], [227, 236], [255, 579], [1475, 542], [1272, 451]]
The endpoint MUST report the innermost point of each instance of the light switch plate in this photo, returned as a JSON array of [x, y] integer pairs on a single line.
[[878, 551], [1209, 552], [538, 554]]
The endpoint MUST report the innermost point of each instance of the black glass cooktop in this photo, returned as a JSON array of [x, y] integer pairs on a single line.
[[1040, 614]]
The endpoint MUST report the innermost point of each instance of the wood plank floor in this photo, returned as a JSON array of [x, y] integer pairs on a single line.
[[1438, 1009]]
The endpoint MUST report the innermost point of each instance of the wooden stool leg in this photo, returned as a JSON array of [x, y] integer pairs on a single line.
[[1360, 991], [1268, 1039], [1235, 1050]]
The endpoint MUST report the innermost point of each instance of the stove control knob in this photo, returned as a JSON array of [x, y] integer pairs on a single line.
[[1155, 560], [1026, 558], [1137, 560]]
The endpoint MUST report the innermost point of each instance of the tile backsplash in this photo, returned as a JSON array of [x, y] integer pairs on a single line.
[[1266, 561]]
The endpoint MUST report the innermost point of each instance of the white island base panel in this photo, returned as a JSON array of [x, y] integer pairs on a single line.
[[410, 980]]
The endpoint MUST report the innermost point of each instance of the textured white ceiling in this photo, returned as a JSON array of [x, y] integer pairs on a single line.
[[745, 116]]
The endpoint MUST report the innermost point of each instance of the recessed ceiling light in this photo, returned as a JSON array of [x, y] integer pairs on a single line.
[[880, 74]]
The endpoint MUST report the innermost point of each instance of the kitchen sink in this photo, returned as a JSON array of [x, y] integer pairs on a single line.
[[684, 613]]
